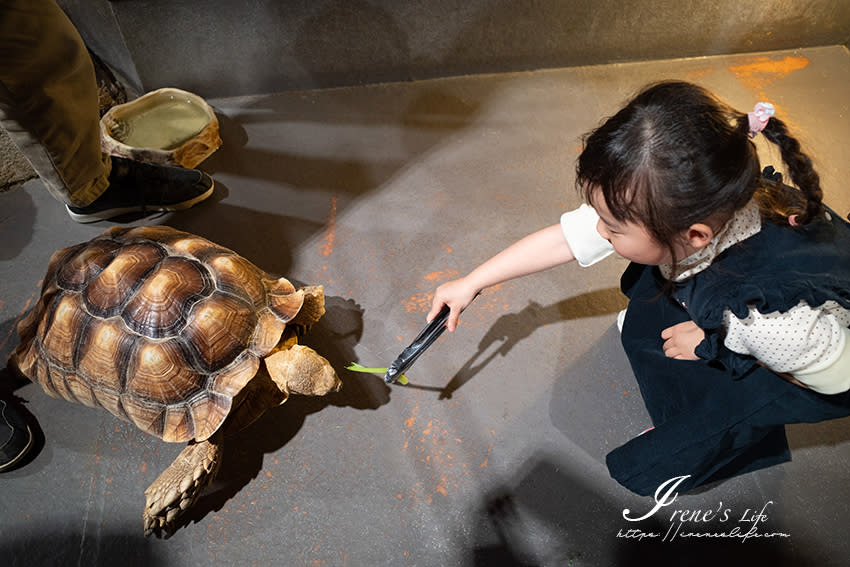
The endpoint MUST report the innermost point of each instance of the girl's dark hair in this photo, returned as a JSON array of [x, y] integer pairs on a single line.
[[676, 155]]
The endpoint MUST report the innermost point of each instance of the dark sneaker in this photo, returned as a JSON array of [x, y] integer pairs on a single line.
[[16, 437], [137, 187]]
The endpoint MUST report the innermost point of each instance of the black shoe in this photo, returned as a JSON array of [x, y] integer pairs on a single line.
[[137, 187], [16, 437]]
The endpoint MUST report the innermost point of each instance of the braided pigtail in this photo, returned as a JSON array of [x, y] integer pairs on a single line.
[[800, 169]]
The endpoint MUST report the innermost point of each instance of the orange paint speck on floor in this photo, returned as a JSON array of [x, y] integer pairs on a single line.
[[444, 275], [759, 72], [327, 248], [698, 74], [487, 457], [419, 303]]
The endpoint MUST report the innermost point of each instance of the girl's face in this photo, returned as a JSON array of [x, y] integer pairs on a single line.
[[631, 240]]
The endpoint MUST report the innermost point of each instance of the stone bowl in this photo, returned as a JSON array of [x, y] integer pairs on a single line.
[[166, 126]]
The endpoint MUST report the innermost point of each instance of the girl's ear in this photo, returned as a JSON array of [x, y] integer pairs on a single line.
[[699, 235]]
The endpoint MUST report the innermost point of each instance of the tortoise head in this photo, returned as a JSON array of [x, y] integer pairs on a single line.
[[301, 370]]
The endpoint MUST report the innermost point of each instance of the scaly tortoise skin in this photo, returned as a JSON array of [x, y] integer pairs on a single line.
[[177, 335]]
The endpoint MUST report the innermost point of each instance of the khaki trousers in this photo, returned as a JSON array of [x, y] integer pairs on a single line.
[[49, 99]]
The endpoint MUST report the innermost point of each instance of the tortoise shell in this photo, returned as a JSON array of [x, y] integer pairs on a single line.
[[160, 327]]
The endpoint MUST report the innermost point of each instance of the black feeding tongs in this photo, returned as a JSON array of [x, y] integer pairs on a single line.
[[426, 338]]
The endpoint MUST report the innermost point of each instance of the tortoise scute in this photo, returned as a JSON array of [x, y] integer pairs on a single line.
[[59, 259], [148, 417], [208, 413], [195, 246], [240, 277], [219, 329], [78, 390], [161, 374], [160, 306], [197, 419], [104, 354], [157, 233], [285, 305], [85, 263], [111, 401], [59, 330], [280, 286], [58, 382], [178, 424], [28, 326], [267, 334], [106, 294], [230, 381], [32, 362], [116, 232]]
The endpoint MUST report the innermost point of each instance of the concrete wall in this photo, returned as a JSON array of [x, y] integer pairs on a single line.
[[224, 48], [96, 22]]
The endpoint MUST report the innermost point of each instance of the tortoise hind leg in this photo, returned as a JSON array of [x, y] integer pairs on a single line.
[[180, 485]]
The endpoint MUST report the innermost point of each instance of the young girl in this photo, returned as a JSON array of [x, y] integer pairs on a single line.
[[739, 286]]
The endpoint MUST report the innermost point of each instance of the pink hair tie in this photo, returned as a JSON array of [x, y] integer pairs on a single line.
[[759, 117]]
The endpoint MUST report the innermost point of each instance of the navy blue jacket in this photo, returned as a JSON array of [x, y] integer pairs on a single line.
[[709, 423], [772, 270]]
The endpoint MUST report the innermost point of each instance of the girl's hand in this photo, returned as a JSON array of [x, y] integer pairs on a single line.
[[681, 340], [457, 294]]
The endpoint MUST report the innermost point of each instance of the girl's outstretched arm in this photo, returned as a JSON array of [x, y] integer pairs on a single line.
[[536, 252]]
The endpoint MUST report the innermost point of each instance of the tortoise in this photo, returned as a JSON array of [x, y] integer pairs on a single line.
[[176, 334]]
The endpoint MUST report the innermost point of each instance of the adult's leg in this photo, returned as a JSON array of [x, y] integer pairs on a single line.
[[48, 99]]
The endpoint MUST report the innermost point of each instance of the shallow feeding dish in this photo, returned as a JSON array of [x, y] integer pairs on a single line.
[[166, 126]]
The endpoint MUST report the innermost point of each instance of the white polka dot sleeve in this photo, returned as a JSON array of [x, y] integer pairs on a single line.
[[799, 341]]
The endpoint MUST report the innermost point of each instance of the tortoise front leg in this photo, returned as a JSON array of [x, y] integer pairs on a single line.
[[180, 485]]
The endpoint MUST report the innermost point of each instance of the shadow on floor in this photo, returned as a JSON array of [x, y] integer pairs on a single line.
[[56, 545], [550, 514], [509, 330]]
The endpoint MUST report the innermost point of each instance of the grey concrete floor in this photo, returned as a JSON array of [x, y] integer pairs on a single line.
[[495, 454]]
